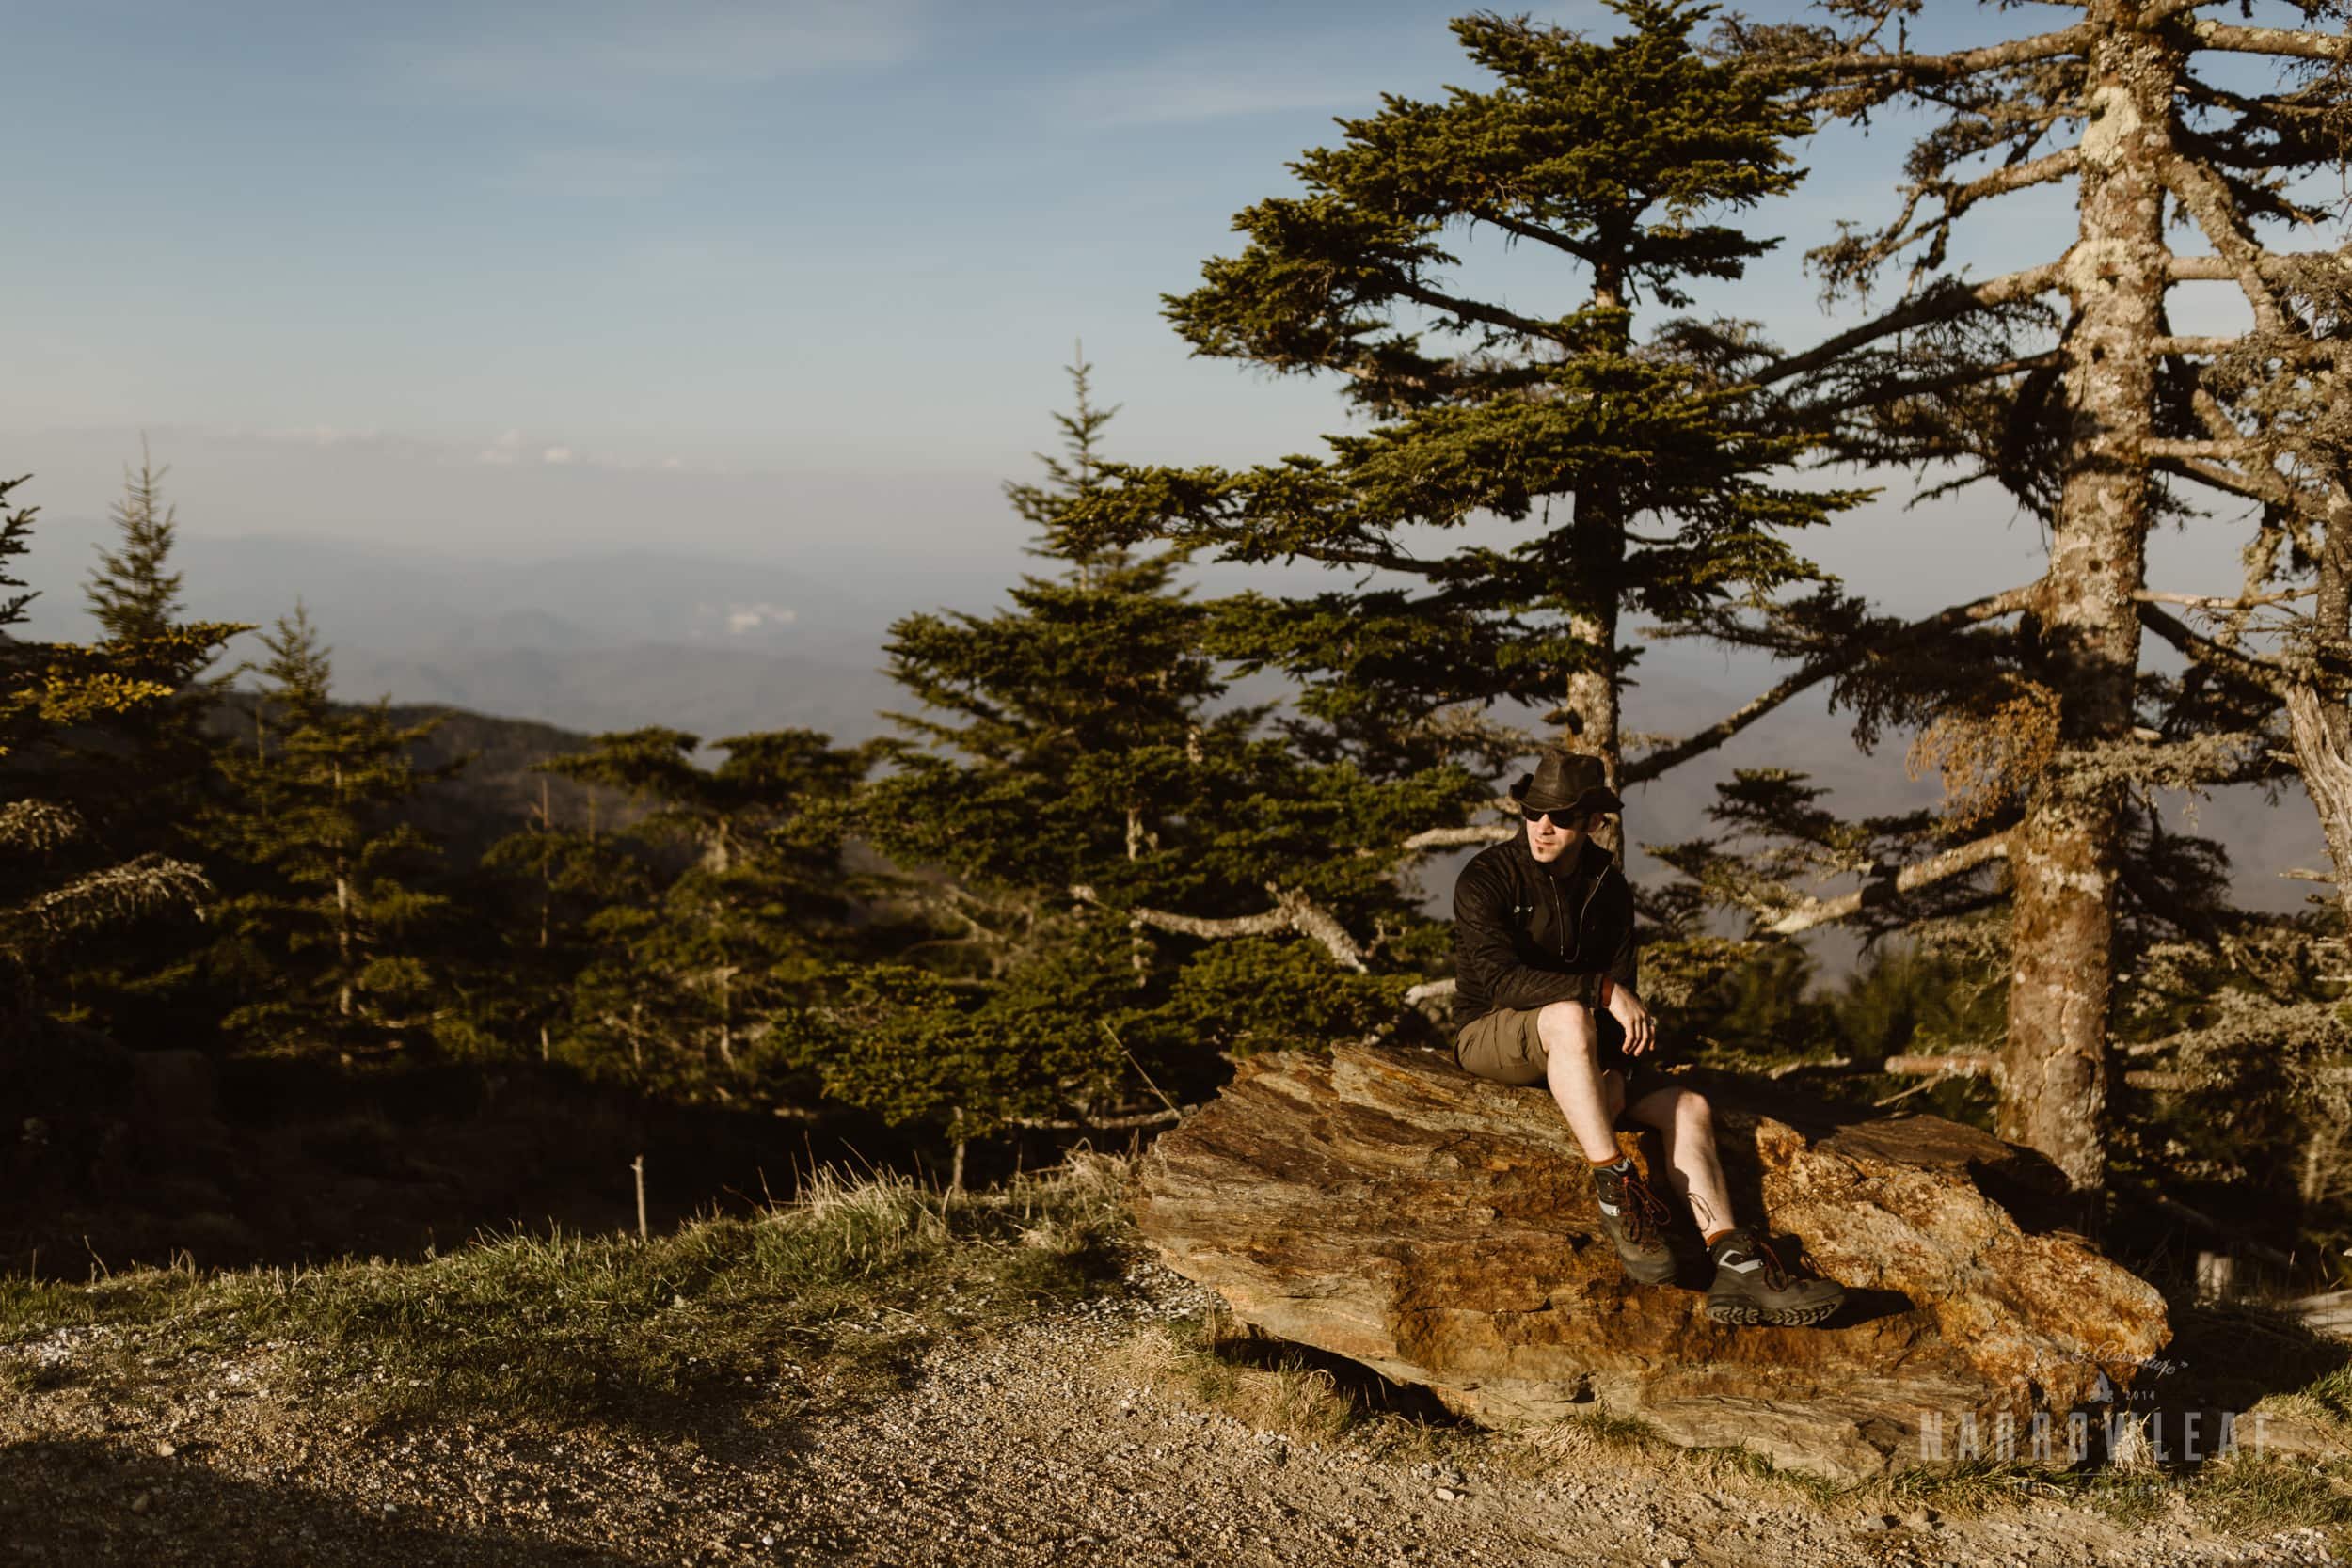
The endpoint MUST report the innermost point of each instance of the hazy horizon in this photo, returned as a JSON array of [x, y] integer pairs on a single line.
[[794, 285]]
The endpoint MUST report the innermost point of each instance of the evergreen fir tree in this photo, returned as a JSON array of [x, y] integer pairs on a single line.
[[132, 594], [58, 886], [1639, 487], [148, 777], [325, 931], [1086, 815]]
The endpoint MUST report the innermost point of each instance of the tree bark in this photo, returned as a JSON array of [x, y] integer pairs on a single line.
[[2320, 722], [2323, 754], [2084, 626], [1592, 696]]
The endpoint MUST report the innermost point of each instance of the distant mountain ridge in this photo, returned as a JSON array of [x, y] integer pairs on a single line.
[[589, 644]]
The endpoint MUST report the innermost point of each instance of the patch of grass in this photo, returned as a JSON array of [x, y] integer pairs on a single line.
[[30, 1308], [2247, 1493], [1218, 1363], [826, 1299], [2331, 1391]]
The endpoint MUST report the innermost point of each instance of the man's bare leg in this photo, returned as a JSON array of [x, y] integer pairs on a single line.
[[1572, 1068], [1682, 1116]]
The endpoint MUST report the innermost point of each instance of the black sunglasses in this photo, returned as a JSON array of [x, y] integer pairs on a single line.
[[1560, 817]]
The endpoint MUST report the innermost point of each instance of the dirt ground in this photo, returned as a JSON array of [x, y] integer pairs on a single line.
[[1041, 1444]]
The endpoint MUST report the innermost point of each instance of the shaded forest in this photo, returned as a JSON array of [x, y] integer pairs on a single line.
[[1081, 880]]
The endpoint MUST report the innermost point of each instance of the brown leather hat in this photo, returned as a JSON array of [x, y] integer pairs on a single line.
[[1566, 781]]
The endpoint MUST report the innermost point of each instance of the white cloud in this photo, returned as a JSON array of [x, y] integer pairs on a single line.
[[503, 451], [556, 455], [742, 618]]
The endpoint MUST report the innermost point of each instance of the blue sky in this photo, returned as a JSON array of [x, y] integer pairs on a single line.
[[790, 279]]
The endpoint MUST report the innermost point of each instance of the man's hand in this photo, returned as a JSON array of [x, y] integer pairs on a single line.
[[1641, 1029]]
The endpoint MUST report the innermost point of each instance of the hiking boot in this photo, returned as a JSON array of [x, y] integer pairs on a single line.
[[1636, 1220], [1754, 1286]]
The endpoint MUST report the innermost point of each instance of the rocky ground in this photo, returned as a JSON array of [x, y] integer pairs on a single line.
[[1053, 1441]]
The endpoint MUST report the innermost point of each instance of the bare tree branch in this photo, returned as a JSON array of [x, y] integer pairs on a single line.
[[1293, 911], [2161, 447], [2221, 269], [2288, 44], [1935, 868], [1908, 69], [2255, 672], [1943, 1067], [1880, 393], [1493, 315], [2251, 485], [2307, 353], [1933, 306], [2221, 601], [1988, 609], [1107, 1124], [1448, 838], [2207, 199]]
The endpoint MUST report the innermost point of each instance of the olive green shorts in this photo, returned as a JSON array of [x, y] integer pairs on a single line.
[[1503, 1046]]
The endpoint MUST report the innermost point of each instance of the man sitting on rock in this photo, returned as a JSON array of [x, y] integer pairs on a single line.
[[1544, 960]]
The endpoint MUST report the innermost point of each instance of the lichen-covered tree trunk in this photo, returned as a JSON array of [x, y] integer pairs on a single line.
[[2083, 625], [2322, 755], [2320, 722]]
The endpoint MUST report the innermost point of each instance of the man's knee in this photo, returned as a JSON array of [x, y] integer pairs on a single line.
[[1683, 1109], [1568, 1026]]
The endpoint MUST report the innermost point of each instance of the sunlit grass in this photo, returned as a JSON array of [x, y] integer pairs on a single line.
[[834, 1294]]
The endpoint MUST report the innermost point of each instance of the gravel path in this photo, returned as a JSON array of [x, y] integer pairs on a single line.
[[1035, 1445]]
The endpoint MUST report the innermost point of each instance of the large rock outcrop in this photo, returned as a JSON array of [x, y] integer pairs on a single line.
[[1385, 1206]]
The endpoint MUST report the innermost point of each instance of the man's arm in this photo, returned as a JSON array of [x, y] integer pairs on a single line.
[[1484, 951], [1625, 962]]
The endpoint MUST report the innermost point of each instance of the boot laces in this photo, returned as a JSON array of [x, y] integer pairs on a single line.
[[1645, 1211], [1776, 1274]]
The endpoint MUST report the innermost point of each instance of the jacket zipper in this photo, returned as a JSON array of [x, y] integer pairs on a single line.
[[1560, 912], [1590, 893]]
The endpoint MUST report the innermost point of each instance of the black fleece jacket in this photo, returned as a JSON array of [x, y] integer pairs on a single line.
[[1526, 934]]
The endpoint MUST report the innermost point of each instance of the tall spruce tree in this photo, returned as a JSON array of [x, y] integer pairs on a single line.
[[1638, 490], [1088, 811], [58, 886], [325, 922], [2064, 379], [149, 773]]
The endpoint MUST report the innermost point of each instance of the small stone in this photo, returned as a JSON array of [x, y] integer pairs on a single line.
[[1446, 1494], [139, 1504], [166, 1449]]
